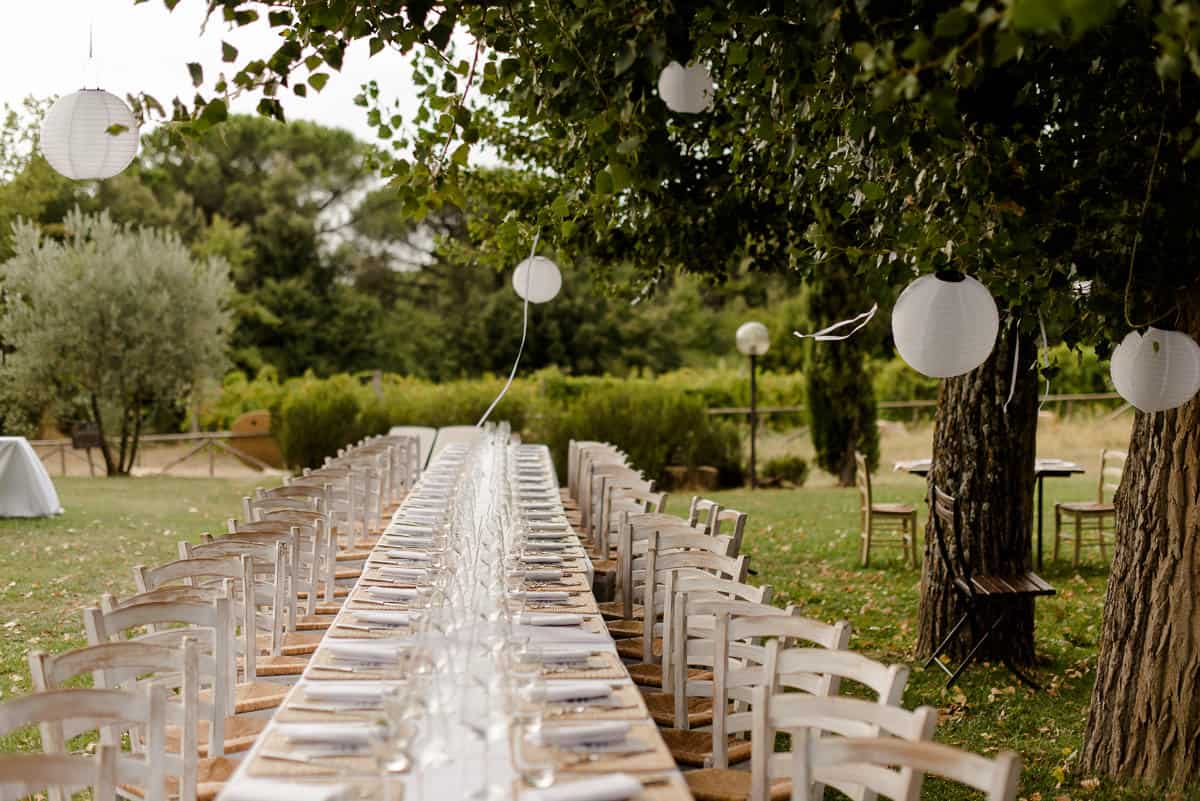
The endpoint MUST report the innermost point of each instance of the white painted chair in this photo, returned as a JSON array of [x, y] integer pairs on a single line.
[[135, 666]]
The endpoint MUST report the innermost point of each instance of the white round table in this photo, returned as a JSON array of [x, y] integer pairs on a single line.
[[25, 486]]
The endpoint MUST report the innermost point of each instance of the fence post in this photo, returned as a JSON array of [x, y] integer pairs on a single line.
[[212, 460], [62, 459]]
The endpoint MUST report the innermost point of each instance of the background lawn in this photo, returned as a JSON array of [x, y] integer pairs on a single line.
[[804, 542]]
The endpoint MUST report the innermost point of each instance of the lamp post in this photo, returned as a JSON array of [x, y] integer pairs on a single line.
[[753, 340]]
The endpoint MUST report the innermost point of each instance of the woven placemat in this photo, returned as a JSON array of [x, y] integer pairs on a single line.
[[627, 705], [674, 790], [657, 758], [601, 666], [263, 765]]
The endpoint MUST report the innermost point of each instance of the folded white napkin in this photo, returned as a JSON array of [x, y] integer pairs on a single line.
[[542, 516], [410, 555], [281, 790], [542, 559], [547, 535], [600, 733], [558, 635], [362, 651], [543, 595], [529, 619], [613, 787], [353, 734], [547, 525], [393, 593], [344, 691], [558, 655], [544, 575], [403, 573], [548, 545], [386, 617], [560, 691], [409, 529]]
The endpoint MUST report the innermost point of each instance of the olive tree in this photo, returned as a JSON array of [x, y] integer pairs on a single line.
[[119, 320]]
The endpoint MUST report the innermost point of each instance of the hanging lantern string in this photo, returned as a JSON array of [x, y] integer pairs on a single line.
[[1012, 382], [1045, 356], [826, 334], [524, 332]]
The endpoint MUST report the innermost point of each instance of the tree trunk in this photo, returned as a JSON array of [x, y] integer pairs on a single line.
[[137, 436], [109, 467], [840, 397], [984, 456], [1144, 721]]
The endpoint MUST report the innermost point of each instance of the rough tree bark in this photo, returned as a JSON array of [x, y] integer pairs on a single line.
[[1144, 720], [984, 456]]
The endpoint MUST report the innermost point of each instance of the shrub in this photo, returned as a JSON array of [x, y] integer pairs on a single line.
[[786, 470], [318, 417], [240, 395]]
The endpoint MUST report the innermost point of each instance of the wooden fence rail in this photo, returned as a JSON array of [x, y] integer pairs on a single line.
[[916, 405], [213, 442]]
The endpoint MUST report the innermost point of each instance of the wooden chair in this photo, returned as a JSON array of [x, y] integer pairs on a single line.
[[897, 522], [195, 767], [992, 594], [810, 721], [21, 775], [1088, 516], [730, 639], [879, 764], [648, 648]]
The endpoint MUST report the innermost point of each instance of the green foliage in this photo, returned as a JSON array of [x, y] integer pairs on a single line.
[[238, 395], [785, 470], [318, 416], [119, 321]]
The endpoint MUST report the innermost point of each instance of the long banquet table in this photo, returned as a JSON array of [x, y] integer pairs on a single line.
[[273, 770]]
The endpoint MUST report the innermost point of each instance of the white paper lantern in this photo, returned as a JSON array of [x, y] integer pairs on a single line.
[[686, 89], [76, 139], [541, 276], [945, 324], [753, 339], [1158, 370]]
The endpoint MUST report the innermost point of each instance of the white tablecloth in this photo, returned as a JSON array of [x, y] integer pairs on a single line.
[[25, 486]]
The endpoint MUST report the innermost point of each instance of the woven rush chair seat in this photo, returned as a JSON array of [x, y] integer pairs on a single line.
[[240, 734], [726, 784], [211, 776], [615, 610], [256, 696], [622, 629], [662, 709], [314, 623], [650, 675], [296, 643], [1085, 506], [634, 649], [693, 748]]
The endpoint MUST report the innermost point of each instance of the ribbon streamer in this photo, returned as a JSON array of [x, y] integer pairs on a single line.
[[1012, 382], [1045, 355], [524, 333], [826, 334]]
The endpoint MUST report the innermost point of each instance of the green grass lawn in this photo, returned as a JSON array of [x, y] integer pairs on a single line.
[[803, 542]]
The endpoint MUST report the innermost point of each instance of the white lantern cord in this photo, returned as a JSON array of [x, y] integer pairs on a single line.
[[527, 292], [945, 324], [826, 334]]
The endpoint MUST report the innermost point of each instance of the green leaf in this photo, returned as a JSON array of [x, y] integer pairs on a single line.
[[197, 73], [278, 19], [460, 155], [228, 52], [603, 183], [300, 90], [625, 60], [953, 23], [318, 80], [873, 191], [1036, 15], [375, 45]]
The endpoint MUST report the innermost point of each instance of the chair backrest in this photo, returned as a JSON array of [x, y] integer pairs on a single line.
[[125, 666], [732, 524], [425, 437], [820, 671], [23, 775], [303, 566], [209, 625], [143, 711], [947, 524], [862, 480], [868, 759], [811, 719], [1112, 465]]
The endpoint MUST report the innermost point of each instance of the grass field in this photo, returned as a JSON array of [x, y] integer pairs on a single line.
[[803, 542]]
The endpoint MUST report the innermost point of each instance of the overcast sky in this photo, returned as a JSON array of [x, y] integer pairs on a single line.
[[145, 48]]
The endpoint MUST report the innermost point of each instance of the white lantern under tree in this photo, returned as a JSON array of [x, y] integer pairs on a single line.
[[539, 277], [90, 134], [945, 324], [1157, 370], [688, 90]]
